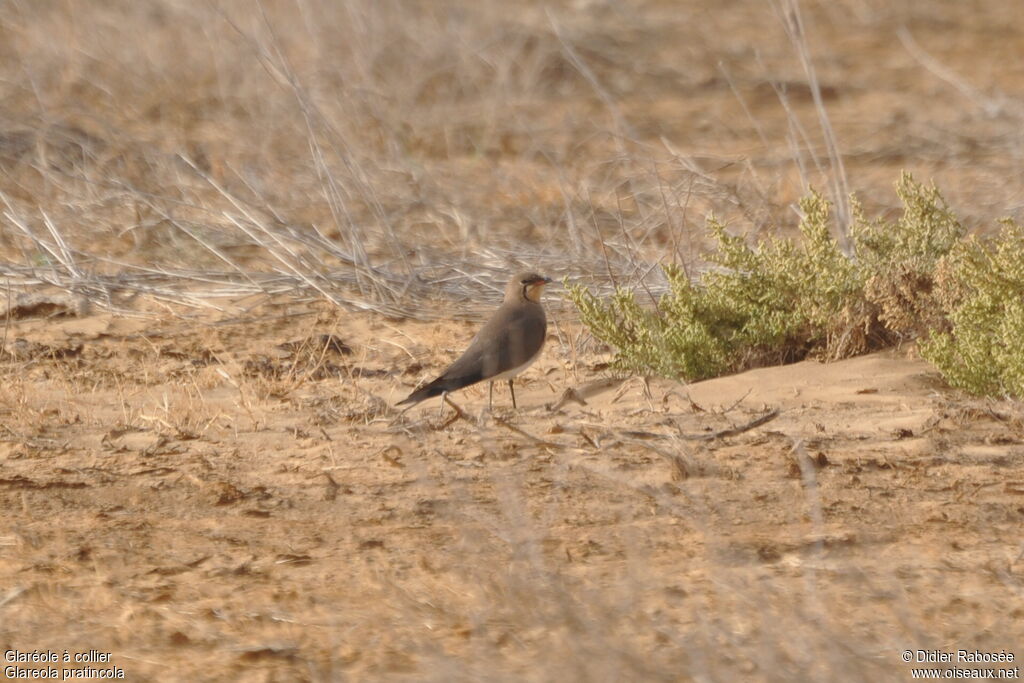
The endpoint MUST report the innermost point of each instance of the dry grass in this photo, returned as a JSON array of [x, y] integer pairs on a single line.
[[363, 152], [193, 498]]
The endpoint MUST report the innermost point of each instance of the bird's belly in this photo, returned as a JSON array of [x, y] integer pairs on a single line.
[[509, 374]]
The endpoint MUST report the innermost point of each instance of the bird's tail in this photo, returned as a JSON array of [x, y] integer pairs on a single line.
[[435, 388]]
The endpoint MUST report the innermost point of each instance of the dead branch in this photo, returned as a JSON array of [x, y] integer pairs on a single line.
[[733, 431], [531, 437]]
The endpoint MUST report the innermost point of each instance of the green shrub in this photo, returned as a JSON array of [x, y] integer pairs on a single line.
[[672, 340], [785, 298], [981, 289], [898, 260]]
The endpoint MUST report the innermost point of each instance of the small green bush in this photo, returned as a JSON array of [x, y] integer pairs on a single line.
[[981, 290], [898, 260], [786, 298]]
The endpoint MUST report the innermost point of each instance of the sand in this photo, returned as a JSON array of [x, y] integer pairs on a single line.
[[203, 503]]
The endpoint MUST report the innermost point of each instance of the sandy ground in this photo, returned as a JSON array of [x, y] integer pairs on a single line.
[[203, 503]]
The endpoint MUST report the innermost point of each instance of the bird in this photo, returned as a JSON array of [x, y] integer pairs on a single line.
[[506, 345]]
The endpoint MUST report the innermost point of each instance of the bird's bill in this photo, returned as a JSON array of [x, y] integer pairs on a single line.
[[538, 283]]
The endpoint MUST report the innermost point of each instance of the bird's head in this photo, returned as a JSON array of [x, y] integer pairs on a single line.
[[526, 285]]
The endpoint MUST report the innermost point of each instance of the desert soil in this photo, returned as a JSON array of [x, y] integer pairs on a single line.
[[216, 501]]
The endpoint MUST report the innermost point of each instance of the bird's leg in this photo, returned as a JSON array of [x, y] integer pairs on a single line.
[[513, 390], [444, 399], [490, 396], [459, 412]]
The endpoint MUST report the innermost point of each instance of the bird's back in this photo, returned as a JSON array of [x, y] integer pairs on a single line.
[[505, 346], [511, 338], [507, 343]]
